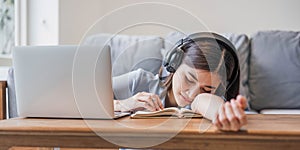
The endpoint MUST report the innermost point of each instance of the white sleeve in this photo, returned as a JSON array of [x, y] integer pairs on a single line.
[[123, 84], [129, 84]]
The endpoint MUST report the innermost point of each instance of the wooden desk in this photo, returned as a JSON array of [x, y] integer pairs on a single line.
[[262, 131], [3, 85]]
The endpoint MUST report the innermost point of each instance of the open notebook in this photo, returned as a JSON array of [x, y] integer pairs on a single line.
[[171, 112]]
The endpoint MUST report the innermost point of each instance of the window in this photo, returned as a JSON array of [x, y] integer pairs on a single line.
[[6, 26]]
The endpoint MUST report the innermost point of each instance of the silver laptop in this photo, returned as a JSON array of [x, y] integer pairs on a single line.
[[64, 82]]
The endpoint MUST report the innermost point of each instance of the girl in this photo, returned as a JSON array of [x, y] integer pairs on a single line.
[[199, 64]]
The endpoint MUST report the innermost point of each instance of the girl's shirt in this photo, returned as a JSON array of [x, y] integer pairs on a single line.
[[129, 84]]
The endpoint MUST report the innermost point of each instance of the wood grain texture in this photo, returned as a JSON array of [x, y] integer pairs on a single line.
[[31, 148], [267, 131], [3, 100], [85, 149]]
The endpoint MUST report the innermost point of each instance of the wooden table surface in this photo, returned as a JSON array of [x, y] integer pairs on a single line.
[[262, 131], [3, 84]]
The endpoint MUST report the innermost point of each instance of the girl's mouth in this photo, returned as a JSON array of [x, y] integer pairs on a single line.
[[185, 99]]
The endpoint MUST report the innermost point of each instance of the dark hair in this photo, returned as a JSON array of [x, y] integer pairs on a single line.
[[209, 55]]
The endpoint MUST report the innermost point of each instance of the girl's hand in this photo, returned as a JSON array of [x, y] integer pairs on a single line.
[[231, 115], [139, 101]]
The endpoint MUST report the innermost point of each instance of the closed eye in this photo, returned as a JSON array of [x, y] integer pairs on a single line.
[[207, 88], [206, 91], [188, 80]]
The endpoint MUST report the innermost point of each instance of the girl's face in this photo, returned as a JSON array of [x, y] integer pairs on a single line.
[[188, 82]]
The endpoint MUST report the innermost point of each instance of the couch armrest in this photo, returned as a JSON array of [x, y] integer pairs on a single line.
[[3, 85]]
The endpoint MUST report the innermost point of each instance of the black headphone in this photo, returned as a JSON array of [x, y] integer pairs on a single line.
[[174, 57]]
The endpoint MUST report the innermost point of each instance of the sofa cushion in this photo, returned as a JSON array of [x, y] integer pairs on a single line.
[[274, 79], [131, 52], [250, 112], [280, 111]]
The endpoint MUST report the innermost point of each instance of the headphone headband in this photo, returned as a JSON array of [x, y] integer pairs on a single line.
[[210, 35]]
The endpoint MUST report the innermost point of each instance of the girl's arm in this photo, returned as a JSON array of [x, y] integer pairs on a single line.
[[227, 116]]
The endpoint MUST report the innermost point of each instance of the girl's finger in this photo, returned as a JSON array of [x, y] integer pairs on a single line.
[[154, 101], [242, 101], [149, 107], [148, 102], [217, 123], [143, 98], [223, 119], [233, 121], [239, 113], [159, 102]]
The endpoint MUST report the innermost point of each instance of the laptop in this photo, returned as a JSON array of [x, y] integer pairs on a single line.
[[64, 82]]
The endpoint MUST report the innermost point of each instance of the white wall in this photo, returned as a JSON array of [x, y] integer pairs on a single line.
[[42, 22], [237, 16], [75, 17]]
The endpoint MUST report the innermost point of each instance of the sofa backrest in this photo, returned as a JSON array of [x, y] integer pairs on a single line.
[[274, 70], [131, 52]]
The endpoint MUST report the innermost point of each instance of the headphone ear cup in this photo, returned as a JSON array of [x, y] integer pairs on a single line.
[[175, 60]]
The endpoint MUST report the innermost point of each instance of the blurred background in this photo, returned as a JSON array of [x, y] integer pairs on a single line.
[[55, 22]]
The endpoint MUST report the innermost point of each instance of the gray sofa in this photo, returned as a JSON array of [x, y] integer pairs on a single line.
[[269, 61]]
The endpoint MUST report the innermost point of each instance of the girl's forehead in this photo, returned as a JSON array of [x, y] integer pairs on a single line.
[[187, 69], [197, 73]]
